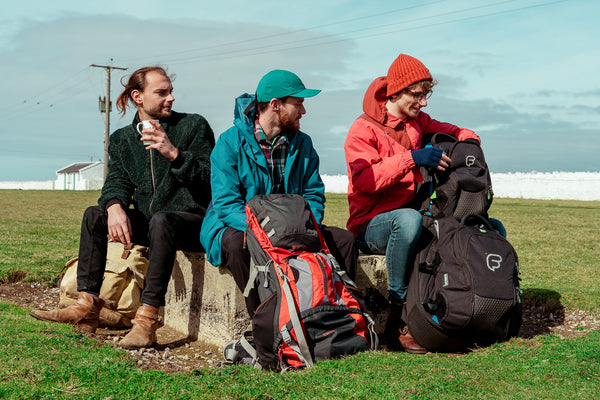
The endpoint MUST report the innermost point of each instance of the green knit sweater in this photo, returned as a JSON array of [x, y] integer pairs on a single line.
[[180, 185]]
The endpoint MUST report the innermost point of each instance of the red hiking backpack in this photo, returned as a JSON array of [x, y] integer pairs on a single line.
[[310, 309]]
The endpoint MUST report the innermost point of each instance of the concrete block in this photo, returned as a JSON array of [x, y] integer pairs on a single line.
[[371, 278], [203, 302]]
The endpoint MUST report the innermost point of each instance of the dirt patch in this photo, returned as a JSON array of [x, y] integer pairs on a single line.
[[174, 353]]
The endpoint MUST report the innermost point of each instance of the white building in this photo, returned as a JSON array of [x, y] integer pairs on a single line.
[[80, 176]]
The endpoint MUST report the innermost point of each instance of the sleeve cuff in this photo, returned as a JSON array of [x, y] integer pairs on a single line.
[[179, 160], [111, 202]]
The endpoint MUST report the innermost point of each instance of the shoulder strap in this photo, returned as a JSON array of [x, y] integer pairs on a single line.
[[303, 350], [475, 220]]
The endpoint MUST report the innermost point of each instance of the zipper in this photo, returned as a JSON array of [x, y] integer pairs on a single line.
[[153, 183]]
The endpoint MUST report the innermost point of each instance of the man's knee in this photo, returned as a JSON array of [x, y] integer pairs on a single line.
[[232, 243], [161, 220], [409, 221], [92, 213], [94, 218]]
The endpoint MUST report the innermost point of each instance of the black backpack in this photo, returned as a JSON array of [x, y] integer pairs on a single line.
[[464, 188], [464, 288], [310, 309]]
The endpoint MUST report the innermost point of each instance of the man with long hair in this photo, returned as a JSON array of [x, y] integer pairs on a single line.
[[164, 173]]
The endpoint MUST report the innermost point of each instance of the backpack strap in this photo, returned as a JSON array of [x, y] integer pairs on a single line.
[[254, 270], [232, 354], [340, 272], [302, 349], [247, 346], [476, 219]]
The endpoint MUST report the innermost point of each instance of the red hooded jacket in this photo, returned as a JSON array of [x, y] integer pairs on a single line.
[[381, 172]]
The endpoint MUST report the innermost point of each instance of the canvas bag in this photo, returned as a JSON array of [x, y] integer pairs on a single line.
[[310, 309], [121, 287], [464, 289]]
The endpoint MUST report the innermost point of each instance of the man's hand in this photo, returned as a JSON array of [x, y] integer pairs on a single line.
[[431, 157], [162, 144], [119, 226]]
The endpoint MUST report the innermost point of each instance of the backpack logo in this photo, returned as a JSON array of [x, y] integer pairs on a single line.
[[470, 160], [493, 261]]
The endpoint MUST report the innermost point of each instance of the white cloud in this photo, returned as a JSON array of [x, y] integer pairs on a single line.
[[504, 70]]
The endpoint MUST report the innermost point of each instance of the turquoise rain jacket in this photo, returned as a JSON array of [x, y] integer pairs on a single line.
[[239, 172]]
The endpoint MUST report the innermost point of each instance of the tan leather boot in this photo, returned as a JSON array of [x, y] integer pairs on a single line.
[[396, 332], [143, 333], [83, 314], [408, 342]]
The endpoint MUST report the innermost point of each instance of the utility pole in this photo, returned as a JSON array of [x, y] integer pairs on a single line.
[[107, 110]]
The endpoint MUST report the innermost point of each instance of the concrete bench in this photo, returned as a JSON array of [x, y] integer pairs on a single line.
[[204, 303]]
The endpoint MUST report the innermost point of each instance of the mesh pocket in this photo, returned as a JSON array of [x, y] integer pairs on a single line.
[[470, 203], [491, 317]]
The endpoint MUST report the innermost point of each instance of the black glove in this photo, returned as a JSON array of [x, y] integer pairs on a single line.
[[427, 157]]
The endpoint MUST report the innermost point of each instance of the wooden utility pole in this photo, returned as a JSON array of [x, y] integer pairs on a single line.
[[107, 109]]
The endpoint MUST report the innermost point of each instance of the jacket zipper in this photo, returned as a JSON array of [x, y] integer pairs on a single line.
[[153, 183]]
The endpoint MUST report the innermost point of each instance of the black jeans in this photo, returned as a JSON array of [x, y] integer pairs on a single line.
[[164, 234], [341, 244]]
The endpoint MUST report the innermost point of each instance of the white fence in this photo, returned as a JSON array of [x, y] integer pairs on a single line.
[[530, 185], [28, 185]]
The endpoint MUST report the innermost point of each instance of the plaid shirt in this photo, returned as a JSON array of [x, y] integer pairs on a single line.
[[275, 152]]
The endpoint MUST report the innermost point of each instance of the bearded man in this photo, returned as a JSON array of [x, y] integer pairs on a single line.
[[155, 194], [263, 153]]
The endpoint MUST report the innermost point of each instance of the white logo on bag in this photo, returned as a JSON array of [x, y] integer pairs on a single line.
[[470, 160], [493, 261]]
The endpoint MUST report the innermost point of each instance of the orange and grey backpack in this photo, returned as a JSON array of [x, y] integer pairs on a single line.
[[310, 309]]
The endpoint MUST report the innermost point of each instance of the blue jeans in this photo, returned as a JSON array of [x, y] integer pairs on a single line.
[[395, 234]]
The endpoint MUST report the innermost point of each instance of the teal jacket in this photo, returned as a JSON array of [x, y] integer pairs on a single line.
[[180, 185], [239, 172]]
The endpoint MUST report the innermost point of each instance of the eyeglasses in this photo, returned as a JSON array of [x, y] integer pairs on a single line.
[[419, 96]]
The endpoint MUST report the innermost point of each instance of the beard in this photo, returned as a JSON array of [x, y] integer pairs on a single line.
[[287, 124]]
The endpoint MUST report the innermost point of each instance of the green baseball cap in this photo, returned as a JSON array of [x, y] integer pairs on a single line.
[[279, 83]]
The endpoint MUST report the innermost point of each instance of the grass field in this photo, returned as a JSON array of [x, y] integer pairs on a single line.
[[559, 251]]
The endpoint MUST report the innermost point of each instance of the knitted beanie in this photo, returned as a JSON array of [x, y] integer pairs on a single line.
[[404, 71]]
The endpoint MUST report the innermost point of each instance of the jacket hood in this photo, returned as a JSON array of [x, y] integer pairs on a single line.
[[244, 110], [375, 99]]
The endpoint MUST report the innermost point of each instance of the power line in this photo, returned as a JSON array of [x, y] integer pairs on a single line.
[[262, 48], [322, 40], [270, 36], [13, 111]]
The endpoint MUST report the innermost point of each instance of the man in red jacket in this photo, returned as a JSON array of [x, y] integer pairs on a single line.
[[383, 156]]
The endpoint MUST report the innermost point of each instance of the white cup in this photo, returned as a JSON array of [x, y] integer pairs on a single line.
[[145, 124]]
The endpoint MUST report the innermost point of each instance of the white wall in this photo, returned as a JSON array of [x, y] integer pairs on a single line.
[[526, 185], [28, 185]]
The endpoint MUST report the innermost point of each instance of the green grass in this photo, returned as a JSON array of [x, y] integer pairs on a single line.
[[559, 254], [39, 231], [44, 360]]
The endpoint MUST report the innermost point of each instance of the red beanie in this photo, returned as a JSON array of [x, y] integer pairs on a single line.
[[404, 71]]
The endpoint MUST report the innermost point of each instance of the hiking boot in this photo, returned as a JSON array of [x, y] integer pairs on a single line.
[[83, 314], [396, 332], [408, 342], [143, 333]]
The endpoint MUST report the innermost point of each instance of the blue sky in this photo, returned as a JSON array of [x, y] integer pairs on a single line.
[[522, 74]]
